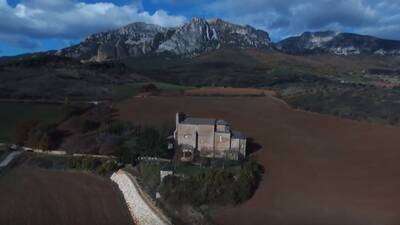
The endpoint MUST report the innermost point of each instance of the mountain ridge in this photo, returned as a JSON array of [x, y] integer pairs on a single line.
[[338, 43], [192, 38], [200, 35]]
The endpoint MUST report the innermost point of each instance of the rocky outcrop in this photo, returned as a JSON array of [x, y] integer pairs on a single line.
[[339, 44], [135, 39], [194, 37], [201, 36]]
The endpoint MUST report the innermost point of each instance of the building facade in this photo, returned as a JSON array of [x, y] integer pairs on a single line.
[[209, 138]]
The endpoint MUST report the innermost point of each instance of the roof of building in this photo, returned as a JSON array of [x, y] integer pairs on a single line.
[[222, 122], [197, 121], [237, 135], [167, 167]]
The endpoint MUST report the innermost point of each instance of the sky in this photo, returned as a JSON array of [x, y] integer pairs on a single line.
[[41, 25]]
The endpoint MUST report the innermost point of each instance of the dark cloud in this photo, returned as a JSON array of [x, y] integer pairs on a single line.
[[279, 23], [20, 41]]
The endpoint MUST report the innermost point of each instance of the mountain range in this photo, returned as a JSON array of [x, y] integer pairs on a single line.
[[338, 43], [195, 37], [200, 36]]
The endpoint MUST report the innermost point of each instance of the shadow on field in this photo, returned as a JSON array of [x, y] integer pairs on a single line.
[[252, 146]]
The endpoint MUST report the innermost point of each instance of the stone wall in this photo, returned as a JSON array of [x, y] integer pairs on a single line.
[[235, 144], [239, 145], [210, 140], [196, 136], [205, 137], [242, 148], [222, 143], [187, 135], [141, 208]]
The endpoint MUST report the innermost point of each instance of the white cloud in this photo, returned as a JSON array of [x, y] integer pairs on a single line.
[[287, 17], [70, 19]]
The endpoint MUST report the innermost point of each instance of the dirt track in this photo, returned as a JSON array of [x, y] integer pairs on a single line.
[[42, 197], [320, 169]]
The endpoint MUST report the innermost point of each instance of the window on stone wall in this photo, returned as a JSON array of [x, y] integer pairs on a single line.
[[220, 138]]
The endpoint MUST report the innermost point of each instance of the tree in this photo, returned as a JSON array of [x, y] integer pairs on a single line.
[[22, 131], [147, 141]]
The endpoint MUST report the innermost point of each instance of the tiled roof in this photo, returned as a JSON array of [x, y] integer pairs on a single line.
[[197, 121], [222, 122], [238, 135]]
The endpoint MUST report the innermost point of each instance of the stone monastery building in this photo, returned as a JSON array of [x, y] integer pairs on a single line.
[[209, 138]]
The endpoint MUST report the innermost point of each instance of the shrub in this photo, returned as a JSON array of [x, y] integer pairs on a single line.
[[100, 166], [89, 125], [150, 88], [145, 141], [22, 131], [216, 186], [107, 167]]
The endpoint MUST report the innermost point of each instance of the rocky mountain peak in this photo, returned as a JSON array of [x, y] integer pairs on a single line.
[[194, 37], [200, 35], [338, 43]]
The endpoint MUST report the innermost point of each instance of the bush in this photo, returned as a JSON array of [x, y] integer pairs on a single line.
[[145, 141], [36, 135], [100, 166], [107, 167], [82, 163], [89, 125], [150, 88], [150, 175], [216, 186], [22, 131]]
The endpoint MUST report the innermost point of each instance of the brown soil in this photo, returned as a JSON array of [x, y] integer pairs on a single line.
[[42, 197], [319, 169], [228, 91]]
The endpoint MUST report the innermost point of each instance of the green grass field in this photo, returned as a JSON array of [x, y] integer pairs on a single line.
[[12, 113], [122, 92]]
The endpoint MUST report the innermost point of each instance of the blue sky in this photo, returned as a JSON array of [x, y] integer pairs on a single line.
[[40, 25]]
